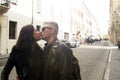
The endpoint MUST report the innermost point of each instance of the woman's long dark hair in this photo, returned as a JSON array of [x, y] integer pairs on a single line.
[[26, 39]]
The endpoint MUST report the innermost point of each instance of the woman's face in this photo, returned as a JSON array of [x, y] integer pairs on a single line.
[[36, 35]]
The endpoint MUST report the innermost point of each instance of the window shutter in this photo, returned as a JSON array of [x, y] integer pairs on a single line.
[[38, 6]]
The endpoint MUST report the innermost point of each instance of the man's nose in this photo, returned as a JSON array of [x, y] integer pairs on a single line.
[[40, 32]]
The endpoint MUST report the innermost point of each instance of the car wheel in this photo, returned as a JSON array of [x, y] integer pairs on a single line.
[[75, 45]]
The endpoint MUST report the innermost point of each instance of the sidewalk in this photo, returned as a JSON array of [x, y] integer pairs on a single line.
[[113, 67], [3, 56], [3, 59], [115, 64]]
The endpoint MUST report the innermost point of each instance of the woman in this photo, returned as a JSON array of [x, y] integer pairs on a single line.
[[26, 56]]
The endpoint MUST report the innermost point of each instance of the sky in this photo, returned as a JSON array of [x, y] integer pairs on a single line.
[[100, 10]]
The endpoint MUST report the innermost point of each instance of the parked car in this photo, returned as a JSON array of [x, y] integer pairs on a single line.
[[77, 43], [71, 43], [118, 42]]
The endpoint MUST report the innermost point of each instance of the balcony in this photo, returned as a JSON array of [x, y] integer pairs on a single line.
[[4, 6]]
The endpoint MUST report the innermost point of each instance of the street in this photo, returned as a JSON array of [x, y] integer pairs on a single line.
[[93, 60]]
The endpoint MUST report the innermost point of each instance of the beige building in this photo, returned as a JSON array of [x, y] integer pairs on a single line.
[[114, 30]]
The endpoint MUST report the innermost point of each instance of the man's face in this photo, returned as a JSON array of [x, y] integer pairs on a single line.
[[47, 32]]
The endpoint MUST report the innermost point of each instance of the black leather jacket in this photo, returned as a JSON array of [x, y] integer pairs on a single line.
[[58, 61], [28, 64]]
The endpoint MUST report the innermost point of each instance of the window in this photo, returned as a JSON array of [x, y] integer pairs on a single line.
[[66, 36], [5, 3], [12, 29]]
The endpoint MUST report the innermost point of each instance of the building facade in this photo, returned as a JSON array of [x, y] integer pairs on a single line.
[[74, 19], [114, 26], [13, 15]]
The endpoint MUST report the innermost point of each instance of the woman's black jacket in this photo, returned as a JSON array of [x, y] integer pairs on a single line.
[[28, 63]]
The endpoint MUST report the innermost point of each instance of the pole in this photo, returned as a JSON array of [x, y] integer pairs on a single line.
[[32, 11]]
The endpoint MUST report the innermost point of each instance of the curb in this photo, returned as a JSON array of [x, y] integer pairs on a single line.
[[107, 68], [3, 57]]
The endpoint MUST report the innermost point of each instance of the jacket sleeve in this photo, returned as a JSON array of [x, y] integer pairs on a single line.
[[8, 67], [64, 62]]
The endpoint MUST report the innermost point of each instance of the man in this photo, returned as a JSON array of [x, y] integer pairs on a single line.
[[58, 56]]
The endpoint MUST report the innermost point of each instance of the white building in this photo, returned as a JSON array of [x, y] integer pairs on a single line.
[[74, 19], [72, 16], [12, 17]]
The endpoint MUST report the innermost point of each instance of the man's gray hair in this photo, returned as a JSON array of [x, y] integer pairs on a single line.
[[54, 25]]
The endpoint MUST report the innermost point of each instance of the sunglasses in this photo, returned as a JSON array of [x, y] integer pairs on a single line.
[[44, 28]]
